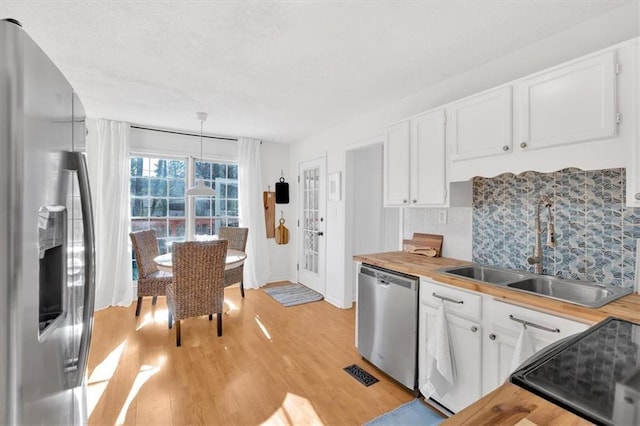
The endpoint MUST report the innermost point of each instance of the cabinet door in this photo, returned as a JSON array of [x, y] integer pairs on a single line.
[[428, 178], [502, 335], [481, 125], [396, 165], [466, 342], [498, 352], [570, 104]]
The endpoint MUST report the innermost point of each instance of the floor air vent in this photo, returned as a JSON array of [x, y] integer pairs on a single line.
[[360, 375]]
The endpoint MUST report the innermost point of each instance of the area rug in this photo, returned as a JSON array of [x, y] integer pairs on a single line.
[[293, 294], [411, 413]]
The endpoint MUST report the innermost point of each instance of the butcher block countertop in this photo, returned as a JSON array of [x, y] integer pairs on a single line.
[[512, 405], [509, 404], [627, 307]]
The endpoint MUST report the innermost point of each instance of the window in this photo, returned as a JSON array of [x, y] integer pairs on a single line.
[[222, 210], [158, 198]]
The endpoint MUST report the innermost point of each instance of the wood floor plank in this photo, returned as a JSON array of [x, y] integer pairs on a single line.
[[272, 365]]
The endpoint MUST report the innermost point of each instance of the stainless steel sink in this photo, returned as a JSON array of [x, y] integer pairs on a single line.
[[485, 274], [591, 295], [578, 292]]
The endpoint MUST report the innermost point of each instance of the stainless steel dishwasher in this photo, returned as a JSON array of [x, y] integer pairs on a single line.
[[388, 322]]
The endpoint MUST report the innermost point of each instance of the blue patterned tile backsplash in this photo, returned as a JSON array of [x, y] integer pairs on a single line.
[[595, 233]]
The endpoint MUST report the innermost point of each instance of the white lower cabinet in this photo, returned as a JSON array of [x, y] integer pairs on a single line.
[[484, 333], [466, 341], [503, 330]]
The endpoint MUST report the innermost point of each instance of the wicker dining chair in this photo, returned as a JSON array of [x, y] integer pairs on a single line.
[[198, 282], [237, 238], [151, 281]]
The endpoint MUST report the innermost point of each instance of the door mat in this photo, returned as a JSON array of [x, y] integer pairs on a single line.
[[411, 413], [293, 294], [360, 375]]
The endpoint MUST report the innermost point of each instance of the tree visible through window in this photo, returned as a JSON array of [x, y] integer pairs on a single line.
[[221, 210], [158, 198]]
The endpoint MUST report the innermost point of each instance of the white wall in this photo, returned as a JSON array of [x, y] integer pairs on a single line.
[[275, 157], [367, 200], [457, 229], [618, 25], [170, 144], [371, 228]]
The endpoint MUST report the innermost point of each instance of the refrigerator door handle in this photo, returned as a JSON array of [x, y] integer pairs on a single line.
[[80, 166]]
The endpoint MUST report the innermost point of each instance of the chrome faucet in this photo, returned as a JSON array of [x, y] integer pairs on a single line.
[[536, 259]]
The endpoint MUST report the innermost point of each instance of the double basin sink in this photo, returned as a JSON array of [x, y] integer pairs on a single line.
[[591, 295]]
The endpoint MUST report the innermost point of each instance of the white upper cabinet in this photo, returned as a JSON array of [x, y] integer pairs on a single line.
[[396, 164], [428, 171], [481, 125], [578, 114], [571, 104], [414, 162]]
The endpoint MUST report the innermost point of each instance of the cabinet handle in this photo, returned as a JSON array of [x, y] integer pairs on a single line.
[[414, 201], [523, 145], [474, 328], [404, 201], [492, 336], [534, 325], [447, 299], [505, 148], [637, 197]]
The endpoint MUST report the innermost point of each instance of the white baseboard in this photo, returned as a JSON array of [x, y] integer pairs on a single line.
[[278, 279], [337, 303]]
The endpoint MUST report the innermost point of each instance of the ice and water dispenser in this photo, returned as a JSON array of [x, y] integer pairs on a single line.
[[52, 235]]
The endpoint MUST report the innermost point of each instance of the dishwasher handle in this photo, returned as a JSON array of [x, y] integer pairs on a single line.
[[387, 278]]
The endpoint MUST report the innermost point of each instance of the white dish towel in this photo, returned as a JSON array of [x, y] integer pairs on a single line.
[[440, 364], [524, 349]]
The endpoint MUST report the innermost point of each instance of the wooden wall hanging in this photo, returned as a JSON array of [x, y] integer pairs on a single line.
[[282, 233], [269, 201]]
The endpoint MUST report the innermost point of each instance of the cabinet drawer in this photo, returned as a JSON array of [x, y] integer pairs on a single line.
[[459, 302], [505, 315]]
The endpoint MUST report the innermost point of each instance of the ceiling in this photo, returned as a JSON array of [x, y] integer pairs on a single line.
[[278, 71]]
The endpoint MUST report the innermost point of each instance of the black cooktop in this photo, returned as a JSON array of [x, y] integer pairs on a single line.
[[595, 374]]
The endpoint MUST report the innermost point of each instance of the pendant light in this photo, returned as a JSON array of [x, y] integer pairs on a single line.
[[201, 190]]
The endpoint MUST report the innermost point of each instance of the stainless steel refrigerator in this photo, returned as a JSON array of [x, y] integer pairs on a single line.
[[46, 239]]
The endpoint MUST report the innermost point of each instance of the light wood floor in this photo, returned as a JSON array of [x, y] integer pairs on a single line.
[[272, 365]]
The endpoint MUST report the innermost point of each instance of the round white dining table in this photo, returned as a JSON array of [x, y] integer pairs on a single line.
[[234, 258]]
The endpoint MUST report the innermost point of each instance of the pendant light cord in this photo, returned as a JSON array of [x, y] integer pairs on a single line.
[[201, 124]]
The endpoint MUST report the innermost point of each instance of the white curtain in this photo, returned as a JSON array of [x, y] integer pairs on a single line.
[[256, 267], [108, 163]]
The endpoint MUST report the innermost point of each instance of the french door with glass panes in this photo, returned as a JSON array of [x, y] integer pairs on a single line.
[[311, 226]]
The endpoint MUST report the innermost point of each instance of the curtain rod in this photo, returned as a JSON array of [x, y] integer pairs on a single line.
[[183, 133]]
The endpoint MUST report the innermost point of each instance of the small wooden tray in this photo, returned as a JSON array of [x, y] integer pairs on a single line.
[[424, 244]]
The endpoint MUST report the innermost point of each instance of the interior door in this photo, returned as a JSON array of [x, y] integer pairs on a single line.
[[311, 225]]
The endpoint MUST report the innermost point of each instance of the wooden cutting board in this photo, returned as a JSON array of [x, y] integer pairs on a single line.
[[426, 244], [282, 233], [269, 201]]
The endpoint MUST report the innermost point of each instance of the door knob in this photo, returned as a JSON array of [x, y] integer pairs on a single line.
[[505, 148], [319, 233], [492, 336]]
